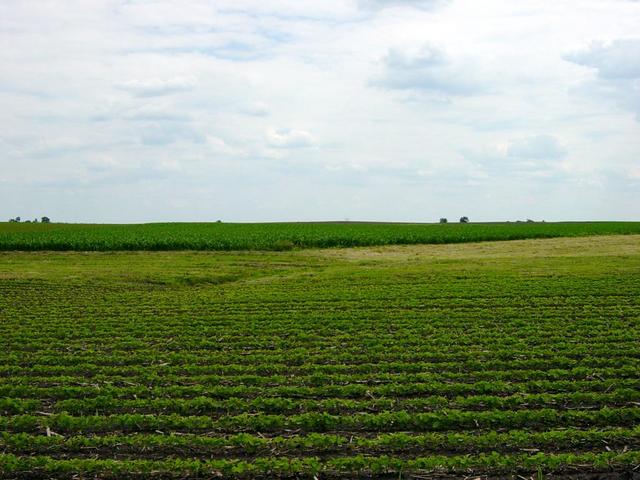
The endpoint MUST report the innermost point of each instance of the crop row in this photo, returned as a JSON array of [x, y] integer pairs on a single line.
[[211, 406], [327, 391], [297, 333], [122, 345], [323, 422], [510, 306], [501, 334], [326, 356], [294, 322], [401, 306], [245, 444], [47, 467], [318, 380], [91, 370]]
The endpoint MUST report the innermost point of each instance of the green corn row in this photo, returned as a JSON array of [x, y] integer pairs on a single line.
[[279, 236]]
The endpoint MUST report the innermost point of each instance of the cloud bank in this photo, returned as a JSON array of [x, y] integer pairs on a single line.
[[245, 110]]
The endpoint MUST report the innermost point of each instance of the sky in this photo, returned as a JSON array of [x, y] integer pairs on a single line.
[[381, 110]]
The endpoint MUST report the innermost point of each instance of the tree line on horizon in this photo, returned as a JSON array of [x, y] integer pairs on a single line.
[[35, 220]]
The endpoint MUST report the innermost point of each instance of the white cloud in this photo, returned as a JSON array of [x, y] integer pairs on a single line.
[[532, 156], [427, 69], [154, 111], [155, 87], [617, 63], [420, 4], [46, 146], [536, 147], [613, 60], [221, 147], [256, 109], [289, 138]]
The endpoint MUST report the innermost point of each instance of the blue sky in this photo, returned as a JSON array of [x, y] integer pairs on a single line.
[[399, 110]]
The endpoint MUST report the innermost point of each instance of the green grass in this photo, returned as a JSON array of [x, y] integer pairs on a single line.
[[280, 236], [482, 359]]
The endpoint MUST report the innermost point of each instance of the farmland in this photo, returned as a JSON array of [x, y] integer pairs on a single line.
[[400, 361], [281, 236]]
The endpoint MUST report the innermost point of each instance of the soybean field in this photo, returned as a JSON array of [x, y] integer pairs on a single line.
[[514, 359]]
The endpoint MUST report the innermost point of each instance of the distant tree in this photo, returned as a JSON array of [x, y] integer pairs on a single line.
[[27, 221], [45, 220], [35, 220], [17, 219], [529, 220], [443, 220], [12, 220], [464, 219]]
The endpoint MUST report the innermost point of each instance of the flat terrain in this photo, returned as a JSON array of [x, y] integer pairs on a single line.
[[416, 361], [281, 236]]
